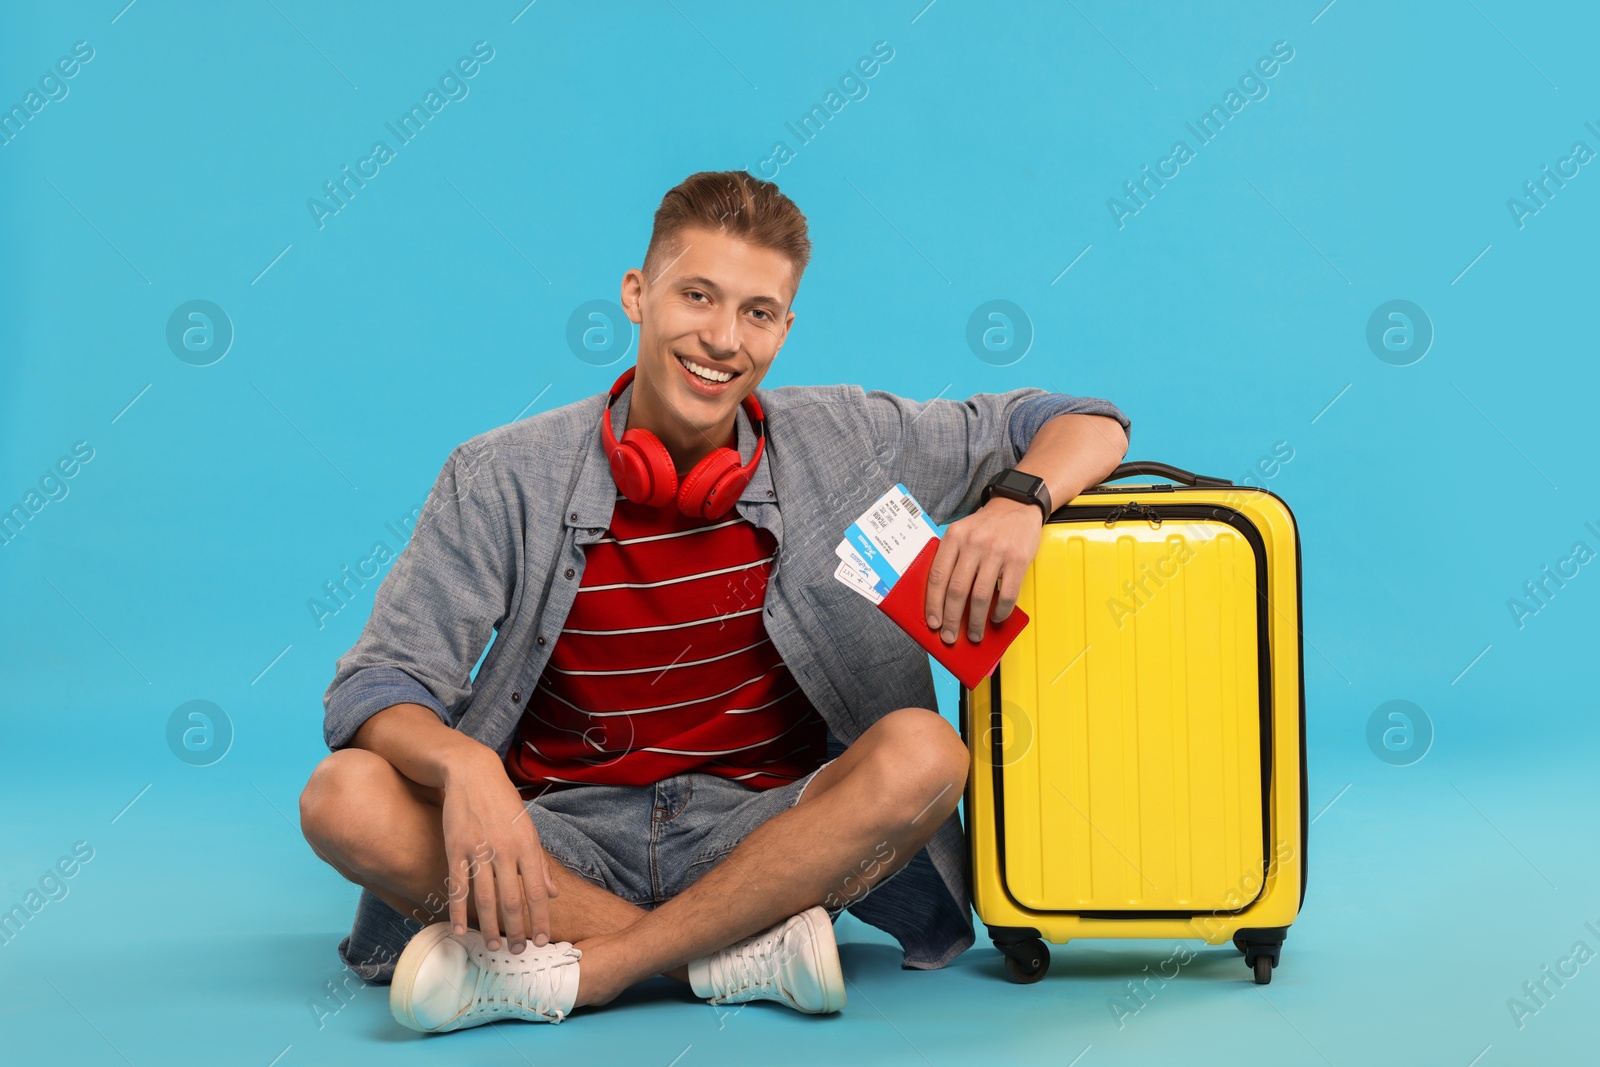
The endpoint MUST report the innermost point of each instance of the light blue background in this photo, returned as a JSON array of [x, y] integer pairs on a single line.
[[1224, 318]]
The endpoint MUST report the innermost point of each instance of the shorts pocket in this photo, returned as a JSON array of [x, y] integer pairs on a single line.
[[714, 850], [711, 859], [591, 872], [727, 831], [581, 861]]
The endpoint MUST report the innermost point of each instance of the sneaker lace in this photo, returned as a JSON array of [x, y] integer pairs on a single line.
[[519, 988], [748, 967]]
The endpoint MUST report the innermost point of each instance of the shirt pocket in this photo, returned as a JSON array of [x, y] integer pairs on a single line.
[[861, 635]]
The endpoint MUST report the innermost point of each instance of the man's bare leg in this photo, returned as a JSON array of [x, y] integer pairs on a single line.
[[385, 833], [891, 789]]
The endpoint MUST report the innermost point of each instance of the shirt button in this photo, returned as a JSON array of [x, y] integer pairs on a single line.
[[574, 516], [540, 639], [516, 698], [570, 572], [769, 492]]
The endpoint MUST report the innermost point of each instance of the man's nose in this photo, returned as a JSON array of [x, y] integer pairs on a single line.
[[722, 333]]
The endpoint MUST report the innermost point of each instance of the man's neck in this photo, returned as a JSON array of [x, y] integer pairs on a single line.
[[686, 444]]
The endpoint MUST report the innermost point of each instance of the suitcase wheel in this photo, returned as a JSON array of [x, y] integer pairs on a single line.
[[1261, 947], [1026, 961]]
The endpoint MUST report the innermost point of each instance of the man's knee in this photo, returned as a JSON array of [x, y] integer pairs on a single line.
[[921, 759], [342, 781]]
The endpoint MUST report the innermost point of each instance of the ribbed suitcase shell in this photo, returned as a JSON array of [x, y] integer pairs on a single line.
[[1138, 755]]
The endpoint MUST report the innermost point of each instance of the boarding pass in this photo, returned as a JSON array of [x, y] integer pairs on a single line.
[[880, 545]]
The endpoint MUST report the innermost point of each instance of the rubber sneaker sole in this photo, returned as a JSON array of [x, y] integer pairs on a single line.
[[829, 972], [404, 982]]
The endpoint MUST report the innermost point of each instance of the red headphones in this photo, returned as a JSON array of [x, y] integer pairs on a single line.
[[643, 468]]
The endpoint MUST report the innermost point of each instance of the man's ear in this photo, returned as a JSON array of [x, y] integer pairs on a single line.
[[632, 294], [788, 324]]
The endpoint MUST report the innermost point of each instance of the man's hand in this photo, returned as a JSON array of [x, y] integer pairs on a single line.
[[491, 847], [984, 555], [994, 546], [492, 851]]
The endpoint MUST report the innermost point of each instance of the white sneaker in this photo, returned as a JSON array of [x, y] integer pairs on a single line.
[[795, 962], [444, 982]]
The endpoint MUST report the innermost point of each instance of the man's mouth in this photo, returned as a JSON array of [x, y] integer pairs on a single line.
[[705, 377]]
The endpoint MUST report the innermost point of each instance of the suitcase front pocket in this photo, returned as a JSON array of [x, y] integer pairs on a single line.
[[1131, 723]]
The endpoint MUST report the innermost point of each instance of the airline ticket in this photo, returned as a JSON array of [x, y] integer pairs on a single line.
[[880, 545]]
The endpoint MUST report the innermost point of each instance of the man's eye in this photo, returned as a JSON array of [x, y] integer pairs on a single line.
[[763, 313]]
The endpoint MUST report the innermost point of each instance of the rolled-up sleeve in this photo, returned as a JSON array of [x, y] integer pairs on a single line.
[[1034, 412], [434, 613], [946, 451]]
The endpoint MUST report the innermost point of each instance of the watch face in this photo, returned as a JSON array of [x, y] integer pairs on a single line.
[[1022, 483], [1020, 486]]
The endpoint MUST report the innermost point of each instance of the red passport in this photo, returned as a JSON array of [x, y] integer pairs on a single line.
[[970, 663]]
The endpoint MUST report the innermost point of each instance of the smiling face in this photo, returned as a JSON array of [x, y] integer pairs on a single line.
[[710, 324]]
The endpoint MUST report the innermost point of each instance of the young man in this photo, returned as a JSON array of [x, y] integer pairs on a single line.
[[690, 747]]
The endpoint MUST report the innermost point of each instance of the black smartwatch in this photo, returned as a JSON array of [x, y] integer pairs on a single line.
[[1026, 488]]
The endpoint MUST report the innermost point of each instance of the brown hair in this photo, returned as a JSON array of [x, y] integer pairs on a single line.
[[736, 203]]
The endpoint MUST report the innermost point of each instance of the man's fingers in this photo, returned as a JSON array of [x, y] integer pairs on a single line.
[[534, 878], [982, 595], [488, 908], [508, 888], [955, 595], [1010, 590], [939, 571], [455, 888]]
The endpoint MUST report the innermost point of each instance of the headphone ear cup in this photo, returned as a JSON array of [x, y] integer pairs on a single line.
[[642, 468], [709, 490]]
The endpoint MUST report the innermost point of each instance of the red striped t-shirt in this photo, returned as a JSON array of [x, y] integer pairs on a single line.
[[664, 665]]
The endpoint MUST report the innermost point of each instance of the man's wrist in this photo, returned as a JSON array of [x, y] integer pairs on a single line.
[[469, 759], [1022, 487], [1001, 504]]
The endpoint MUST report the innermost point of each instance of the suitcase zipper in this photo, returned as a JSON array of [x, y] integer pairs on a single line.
[[1110, 515], [1135, 508]]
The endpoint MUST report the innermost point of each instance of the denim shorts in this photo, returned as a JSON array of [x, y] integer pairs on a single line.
[[645, 844]]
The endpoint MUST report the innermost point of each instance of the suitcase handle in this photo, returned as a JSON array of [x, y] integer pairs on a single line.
[[1165, 470]]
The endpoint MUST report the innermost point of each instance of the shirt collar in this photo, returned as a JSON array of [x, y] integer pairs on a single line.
[[595, 498]]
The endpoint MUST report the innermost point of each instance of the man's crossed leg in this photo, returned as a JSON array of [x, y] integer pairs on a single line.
[[862, 818]]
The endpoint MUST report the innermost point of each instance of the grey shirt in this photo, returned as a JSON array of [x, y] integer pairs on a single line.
[[498, 553]]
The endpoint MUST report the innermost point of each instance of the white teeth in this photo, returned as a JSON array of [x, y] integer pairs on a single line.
[[706, 372]]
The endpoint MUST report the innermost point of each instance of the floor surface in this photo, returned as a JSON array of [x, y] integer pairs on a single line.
[[202, 931]]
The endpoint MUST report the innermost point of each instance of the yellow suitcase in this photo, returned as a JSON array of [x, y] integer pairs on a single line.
[[1138, 756]]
